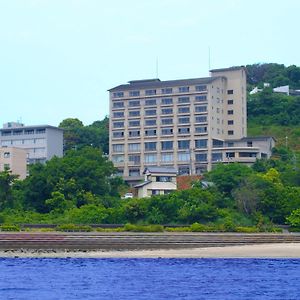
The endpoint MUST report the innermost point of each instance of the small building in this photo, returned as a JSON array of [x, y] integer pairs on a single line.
[[41, 142], [158, 181], [15, 160]]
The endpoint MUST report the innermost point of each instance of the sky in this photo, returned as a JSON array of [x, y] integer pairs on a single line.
[[58, 58]]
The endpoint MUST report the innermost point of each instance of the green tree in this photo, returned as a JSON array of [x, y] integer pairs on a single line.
[[6, 195]]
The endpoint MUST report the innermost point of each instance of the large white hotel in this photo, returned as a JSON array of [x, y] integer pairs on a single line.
[[188, 124]]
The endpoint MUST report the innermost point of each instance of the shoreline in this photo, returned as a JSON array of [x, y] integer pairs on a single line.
[[280, 250]]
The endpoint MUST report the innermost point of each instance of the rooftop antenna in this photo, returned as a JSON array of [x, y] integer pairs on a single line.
[[156, 66]]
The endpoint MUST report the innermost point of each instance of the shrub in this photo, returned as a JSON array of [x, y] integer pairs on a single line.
[[9, 227], [178, 229], [73, 227], [247, 229], [143, 228], [197, 227]]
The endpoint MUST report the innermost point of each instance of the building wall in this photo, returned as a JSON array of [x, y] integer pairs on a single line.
[[15, 159], [40, 142]]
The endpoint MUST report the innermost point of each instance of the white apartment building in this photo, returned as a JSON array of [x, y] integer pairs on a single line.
[[188, 124], [41, 142]]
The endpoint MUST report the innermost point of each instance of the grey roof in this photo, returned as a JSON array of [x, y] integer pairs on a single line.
[[228, 69], [157, 83], [30, 127], [163, 170], [142, 184]]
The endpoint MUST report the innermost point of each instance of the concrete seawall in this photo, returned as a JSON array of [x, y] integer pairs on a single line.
[[136, 241]]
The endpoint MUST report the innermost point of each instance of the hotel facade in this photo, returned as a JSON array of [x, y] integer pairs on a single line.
[[188, 124]]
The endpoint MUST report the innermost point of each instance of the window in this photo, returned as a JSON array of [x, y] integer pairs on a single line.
[[118, 134], [40, 141], [134, 103], [247, 154], [183, 145], [118, 104], [201, 157], [167, 91], [6, 154], [184, 100], [163, 178], [200, 88], [150, 112], [166, 121], [249, 144], [150, 92], [150, 122], [134, 113], [230, 122], [134, 133], [230, 144], [119, 114], [150, 146], [167, 111], [167, 157], [230, 154], [134, 93], [218, 110], [184, 120], [200, 119], [183, 89], [118, 158], [118, 124], [134, 159], [6, 133], [118, 148], [134, 123], [150, 158], [201, 144], [167, 145], [217, 143], [134, 172], [6, 143], [18, 132], [183, 110], [216, 156], [17, 142], [184, 170], [134, 147], [40, 131], [29, 131], [230, 132], [183, 156], [150, 132], [166, 101], [150, 102], [230, 92], [167, 131], [201, 98], [230, 101], [118, 94], [201, 108], [230, 112], [183, 130], [119, 172], [202, 129]]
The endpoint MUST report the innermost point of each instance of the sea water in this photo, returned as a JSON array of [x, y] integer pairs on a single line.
[[74, 278]]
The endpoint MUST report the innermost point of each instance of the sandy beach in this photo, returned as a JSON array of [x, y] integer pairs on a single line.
[[288, 250]]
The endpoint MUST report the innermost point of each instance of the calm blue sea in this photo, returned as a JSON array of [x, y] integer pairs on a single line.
[[73, 278]]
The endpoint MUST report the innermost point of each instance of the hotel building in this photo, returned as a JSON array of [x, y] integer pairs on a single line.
[[188, 124]]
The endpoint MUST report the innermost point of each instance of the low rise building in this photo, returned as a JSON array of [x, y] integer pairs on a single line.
[[15, 160], [158, 181]]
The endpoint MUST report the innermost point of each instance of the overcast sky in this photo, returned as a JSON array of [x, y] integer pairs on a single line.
[[58, 58]]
